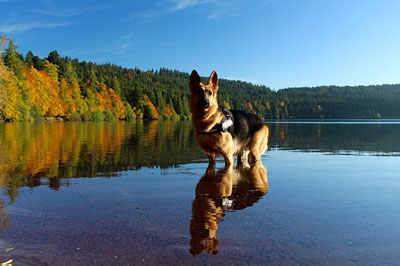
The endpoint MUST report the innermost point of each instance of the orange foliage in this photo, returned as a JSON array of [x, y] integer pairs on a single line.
[[118, 107], [104, 98], [168, 111], [41, 93]]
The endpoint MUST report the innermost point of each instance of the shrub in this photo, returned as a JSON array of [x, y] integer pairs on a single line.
[[97, 116], [109, 116]]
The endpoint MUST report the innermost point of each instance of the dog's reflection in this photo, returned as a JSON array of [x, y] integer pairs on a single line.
[[219, 192]]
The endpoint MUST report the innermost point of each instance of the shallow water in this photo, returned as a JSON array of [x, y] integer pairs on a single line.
[[140, 193]]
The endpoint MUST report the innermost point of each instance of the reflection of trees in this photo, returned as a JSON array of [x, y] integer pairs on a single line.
[[3, 216], [219, 192], [33, 154], [337, 138]]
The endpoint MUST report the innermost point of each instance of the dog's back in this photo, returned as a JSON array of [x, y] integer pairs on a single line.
[[245, 124]]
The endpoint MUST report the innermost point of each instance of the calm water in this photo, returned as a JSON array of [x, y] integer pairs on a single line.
[[139, 193]]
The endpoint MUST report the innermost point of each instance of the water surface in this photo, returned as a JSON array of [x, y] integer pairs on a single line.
[[140, 193]]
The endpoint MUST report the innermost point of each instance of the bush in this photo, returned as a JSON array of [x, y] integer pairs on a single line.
[[35, 114], [86, 116], [97, 116], [109, 116], [175, 117], [75, 117], [130, 115]]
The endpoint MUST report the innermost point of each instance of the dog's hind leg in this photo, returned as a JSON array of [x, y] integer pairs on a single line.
[[242, 161], [258, 144]]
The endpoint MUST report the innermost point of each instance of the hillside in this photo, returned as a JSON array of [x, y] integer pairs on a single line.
[[56, 87]]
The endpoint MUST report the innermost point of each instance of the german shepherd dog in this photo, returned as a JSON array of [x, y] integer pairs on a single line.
[[225, 132]]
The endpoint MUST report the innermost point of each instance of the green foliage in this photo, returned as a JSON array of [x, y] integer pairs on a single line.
[[109, 116], [97, 116], [12, 59], [130, 115], [75, 117], [86, 117]]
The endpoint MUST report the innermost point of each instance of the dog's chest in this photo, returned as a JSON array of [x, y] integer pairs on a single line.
[[214, 142], [219, 143]]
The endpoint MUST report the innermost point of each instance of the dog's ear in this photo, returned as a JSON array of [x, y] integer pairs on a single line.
[[194, 80], [213, 80]]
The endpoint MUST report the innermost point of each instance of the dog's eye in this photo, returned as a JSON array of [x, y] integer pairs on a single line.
[[209, 93]]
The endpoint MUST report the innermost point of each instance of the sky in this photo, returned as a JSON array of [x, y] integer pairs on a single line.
[[276, 43]]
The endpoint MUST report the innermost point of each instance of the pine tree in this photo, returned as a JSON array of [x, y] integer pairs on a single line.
[[115, 85], [29, 59], [12, 59]]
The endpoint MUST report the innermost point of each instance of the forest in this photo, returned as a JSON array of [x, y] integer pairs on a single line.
[[64, 89]]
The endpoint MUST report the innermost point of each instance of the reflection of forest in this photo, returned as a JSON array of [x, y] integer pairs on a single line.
[[33, 154], [373, 139]]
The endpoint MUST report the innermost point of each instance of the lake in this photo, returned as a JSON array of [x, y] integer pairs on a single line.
[[118, 193]]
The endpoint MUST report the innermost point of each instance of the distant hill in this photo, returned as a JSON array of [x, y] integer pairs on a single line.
[[62, 88]]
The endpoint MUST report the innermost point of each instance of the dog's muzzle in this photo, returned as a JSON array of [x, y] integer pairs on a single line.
[[204, 103]]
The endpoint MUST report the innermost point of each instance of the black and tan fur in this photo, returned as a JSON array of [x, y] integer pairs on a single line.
[[249, 139], [218, 193]]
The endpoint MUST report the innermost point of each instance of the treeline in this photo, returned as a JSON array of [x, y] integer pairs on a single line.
[[32, 88], [333, 102]]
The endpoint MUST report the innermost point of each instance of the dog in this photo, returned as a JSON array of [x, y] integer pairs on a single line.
[[222, 131]]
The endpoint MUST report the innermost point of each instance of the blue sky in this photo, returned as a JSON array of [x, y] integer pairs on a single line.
[[277, 43]]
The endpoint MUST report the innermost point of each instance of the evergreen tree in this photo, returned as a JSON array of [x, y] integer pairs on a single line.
[[29, 59], [12, 59], [54, 58], [115, 85]]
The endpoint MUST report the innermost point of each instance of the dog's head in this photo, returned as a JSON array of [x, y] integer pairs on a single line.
[[203, 95]]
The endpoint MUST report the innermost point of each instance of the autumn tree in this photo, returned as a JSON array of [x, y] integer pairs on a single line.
[[10, 96], [150, 111]]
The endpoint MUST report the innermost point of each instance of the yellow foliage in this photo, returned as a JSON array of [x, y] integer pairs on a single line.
[[150, 109], [118, 107], [10, 96], [250, 106], [227, 105]]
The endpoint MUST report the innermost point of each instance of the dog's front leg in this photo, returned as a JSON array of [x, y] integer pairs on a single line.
[[211, 159], [228, 160]]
